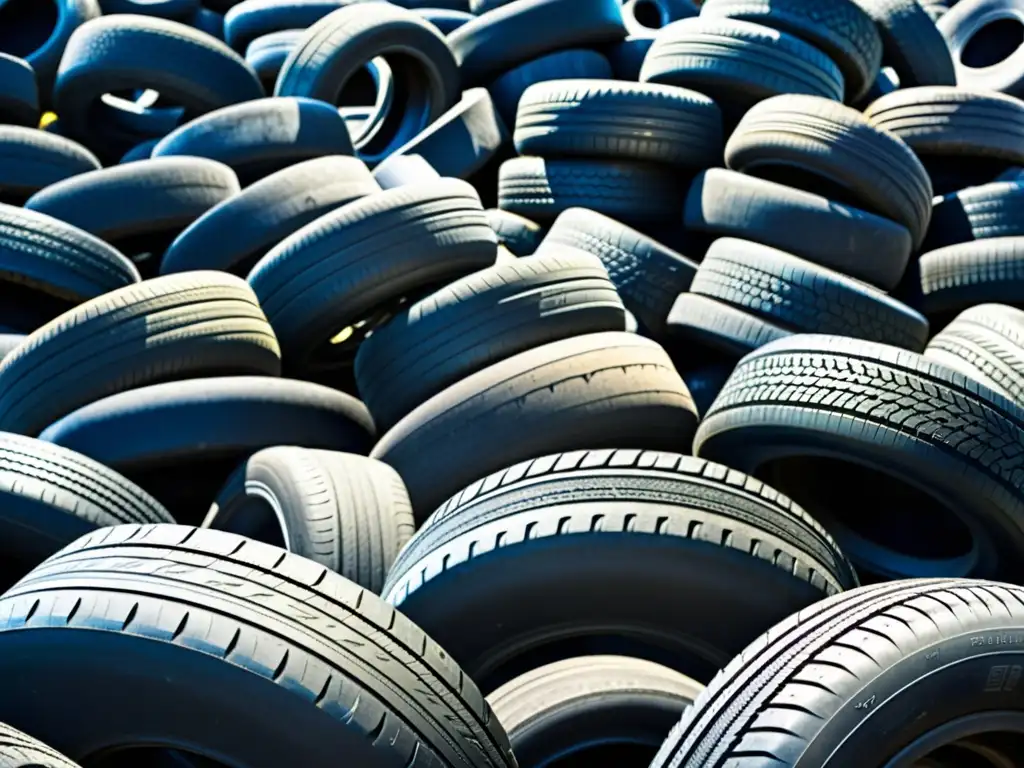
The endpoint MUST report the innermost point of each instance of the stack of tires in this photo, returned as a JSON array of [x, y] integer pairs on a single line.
[[495, 383]]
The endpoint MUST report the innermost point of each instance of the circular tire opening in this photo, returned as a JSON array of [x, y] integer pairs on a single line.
[[649, 14], [993, 43], [26, 25], [992, 739], [911, 535]]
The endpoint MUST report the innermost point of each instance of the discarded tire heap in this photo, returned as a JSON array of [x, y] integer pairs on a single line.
[[471, 385]]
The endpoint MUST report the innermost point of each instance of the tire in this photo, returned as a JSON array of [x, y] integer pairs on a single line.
[[235, 234], [983, 58], [627, 57], [961, 276], [706, 332], [346, 512], [445, 19], [619, 121], [903, 643], [613, 524], [175, 10], [19, 750], [594, 391], [647, 16], [576, 63], [911, 43], [266, 54], [289, 132], [985, 343], [51, 496], [210, 22], [165, 329], [634, 193], [839, 28], [977, 213], [338, 46], [48, 267], [205, 428], [251, 20], [738, 63], [810, 414], [257, 663], [400, 170], [142, 151], [801, 297], [849, 240], [33, 160], [9, 342], [516, 233], [339, 269], [646, 274], [480, 320], [187, 67], [813, 143], [591, 703], [19, 94]]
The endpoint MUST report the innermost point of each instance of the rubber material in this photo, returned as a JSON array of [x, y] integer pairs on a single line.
[[33, 160], [19, 94]]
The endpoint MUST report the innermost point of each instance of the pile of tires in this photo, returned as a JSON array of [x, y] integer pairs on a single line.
[[495, 383]]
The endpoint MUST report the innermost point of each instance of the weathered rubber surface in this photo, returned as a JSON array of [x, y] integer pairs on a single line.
[[839, 28], [612, 524], [625, 121], [977, 272], [977, 213], [911, 43], [168, 328], [800, 136], [592, 701], [815, 689], [479, 320], [346, 512], [985, 342], [31, 159], [19, 750], [234, 619], [957, 442]]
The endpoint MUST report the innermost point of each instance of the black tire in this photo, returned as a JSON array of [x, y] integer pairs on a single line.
[[623, 121], [824, 147], [614, 524], [19, 750], [31, 160], [290, 131], [123, 52], [738, 63], [646, 274], [800, 296], [517, 233], [706, 332], [880, 445], [480, 320], [48, 267], [513, 34], [266, 55], [985, 343], [599, 703], [339, 269], [594, 391], [399, 170], [141, 151], [447, 20], [977, 213], [210, 22], [647, 16], [826, 677], [176, 10], [426, 77], [979, 272], [235, 234], [19, 94], [203, 429], [911, 43], [839, 28], [635, 193], [255, 639], [249, 21], [849, 240], [343, 511], [165, 329], [51, 496], [984, 55]]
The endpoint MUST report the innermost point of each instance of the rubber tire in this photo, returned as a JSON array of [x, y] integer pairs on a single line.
[[250, 20], [895, 414], [986, 343], [267, 54], [911, 43], [480, 320], [614, 524], [788, 138], [337, 270], [280, 689], [646, 274], [261, 137], [19, 94], [960, 26], [19, 750], [839, 28], [620, 121], [141, 151], [593, 391], [977, 213], [518, 234], [446, 20], [666, 10], [561, 709], [346, 512], [627, 57], [867, 642], [399, 170], [165, 329], [860, 244], [978, 272], [34, 159], [235, 234]]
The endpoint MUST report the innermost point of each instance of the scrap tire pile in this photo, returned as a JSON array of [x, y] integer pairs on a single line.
[[495, 383]]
